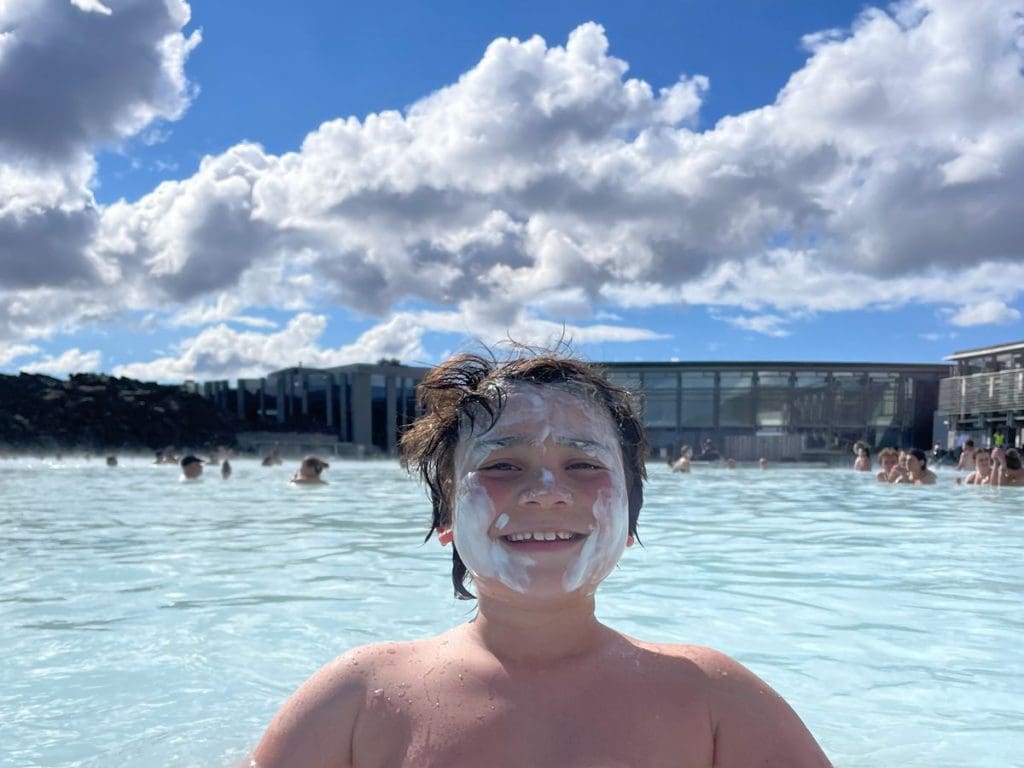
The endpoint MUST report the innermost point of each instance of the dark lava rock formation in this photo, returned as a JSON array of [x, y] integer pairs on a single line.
[[94, 412]]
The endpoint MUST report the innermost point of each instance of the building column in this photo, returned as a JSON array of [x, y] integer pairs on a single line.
[[755, 402], [716, 410], [280, 381], [791, 402], [343, 407], [362, 409], [329, 395], [304, 383], [391, 414]]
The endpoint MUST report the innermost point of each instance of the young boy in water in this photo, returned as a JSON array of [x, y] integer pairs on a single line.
[[535, 469]]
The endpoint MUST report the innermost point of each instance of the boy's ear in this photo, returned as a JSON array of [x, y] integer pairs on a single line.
[[629, 540], [444, 535]]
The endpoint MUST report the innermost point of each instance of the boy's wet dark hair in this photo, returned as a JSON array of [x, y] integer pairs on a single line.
[[467, 388]]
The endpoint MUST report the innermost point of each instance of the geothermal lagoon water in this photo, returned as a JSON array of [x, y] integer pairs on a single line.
[[149, 622]]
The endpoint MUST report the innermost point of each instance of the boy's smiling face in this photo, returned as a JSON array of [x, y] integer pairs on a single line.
[[540, 499]]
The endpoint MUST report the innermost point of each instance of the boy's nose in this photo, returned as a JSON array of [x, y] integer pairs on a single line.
[[543, 489]]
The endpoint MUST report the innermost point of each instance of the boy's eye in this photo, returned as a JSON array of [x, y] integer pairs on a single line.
[[501, 466], [583, 464]]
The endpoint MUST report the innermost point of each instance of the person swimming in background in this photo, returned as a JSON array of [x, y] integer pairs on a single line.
[[967, 457], [111, 460], [1009, 471], [272, 459], [225, 469], [863, 461], [900, 470], [762, 463], [917, 469], [191, 467], [309, 471], [535, 469], [982, 473], [165, 456], [888, 461], [682, 464], [708, 452]]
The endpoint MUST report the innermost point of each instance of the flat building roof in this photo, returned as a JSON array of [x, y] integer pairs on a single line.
[[967, 354]]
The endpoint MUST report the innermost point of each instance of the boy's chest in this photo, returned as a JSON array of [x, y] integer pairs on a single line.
[[625, 726]]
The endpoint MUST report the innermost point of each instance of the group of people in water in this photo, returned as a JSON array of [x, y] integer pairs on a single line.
[[996, 465], [984, 465], [708, 453], [310, 471]]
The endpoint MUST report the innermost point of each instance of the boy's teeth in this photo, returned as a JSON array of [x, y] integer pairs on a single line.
[[541, 536]]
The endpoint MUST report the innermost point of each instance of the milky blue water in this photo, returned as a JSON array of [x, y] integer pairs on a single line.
[[148, 622]]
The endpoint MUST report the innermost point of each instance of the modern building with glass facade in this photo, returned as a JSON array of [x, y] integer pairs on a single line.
[[984, 398], [365, 406], [781, 411]]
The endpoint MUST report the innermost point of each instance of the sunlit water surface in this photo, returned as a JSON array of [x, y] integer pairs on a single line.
[[148, 622]]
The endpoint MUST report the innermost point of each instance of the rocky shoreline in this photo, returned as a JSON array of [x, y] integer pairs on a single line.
[[95, 412]]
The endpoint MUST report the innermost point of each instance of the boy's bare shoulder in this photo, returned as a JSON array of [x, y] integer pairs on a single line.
[[696, 658], [315, 726], [752, 723]]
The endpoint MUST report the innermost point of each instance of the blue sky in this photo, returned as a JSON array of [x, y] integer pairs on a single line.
[[203, 191]]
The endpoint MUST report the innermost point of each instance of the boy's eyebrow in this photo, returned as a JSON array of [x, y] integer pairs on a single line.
[[512, 440]]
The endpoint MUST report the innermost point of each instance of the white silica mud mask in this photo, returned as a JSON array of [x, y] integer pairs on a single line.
[[483, 556], [547, 421]]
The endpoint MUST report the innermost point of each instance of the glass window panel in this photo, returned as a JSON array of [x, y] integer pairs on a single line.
[[848, 399], [626, 379], [736, 399], [773, 395], [698, 399], [698, 409], [810, 399], [882, 390], [811, 379], [660, 410], [660, 380], [736, 379], [698, 379], [737, 407]]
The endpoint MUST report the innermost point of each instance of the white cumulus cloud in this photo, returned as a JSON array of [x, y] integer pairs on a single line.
[[985, 313], [9, 352], [544, 188], [69, 361], [766, 325]]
